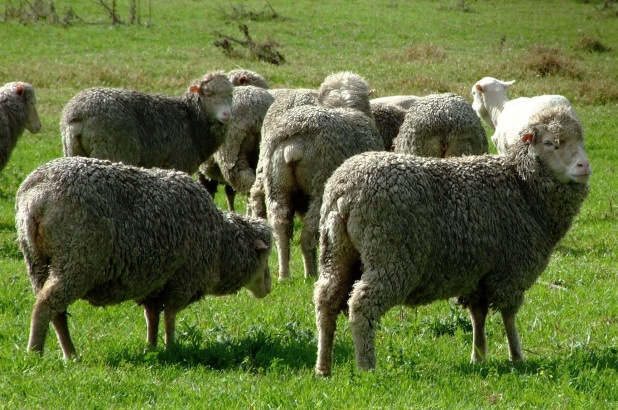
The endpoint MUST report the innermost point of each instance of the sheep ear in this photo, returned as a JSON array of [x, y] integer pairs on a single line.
[[19, 90], [527, 138], [243, 80], [479, 87], [260, 245], [194, 89], [507, 84], [371, 92]]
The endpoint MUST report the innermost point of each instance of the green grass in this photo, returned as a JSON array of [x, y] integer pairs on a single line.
[[239, 352]]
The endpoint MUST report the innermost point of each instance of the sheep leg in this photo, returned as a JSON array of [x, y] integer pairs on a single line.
[[308, 239], [373, 295], [60, 324], [169, 316], [515, 352], [330, 296], [282, 221], [478, 315], [230, 195], [152, 312]]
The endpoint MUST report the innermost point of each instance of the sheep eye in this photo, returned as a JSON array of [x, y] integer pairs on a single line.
[[548, 143]]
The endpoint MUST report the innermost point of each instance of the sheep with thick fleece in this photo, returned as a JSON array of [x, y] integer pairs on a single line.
[[234, 163], [17, 112], [402, 101], [388, 118], [301, 147], [508, 117], [243, 77], [108, 232], [441, 125], [150, 130], [399, 229]]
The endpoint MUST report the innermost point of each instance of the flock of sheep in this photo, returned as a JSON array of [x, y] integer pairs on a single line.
[[400, 193]]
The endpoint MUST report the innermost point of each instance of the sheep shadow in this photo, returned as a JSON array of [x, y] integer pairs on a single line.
[[257, 350], [577, 363]]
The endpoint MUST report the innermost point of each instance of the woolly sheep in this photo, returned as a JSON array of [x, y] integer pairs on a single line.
[[234, 163], [508, 117], [150, 130], [401, 229], [17, 112], [242, 77], [402, 101], [441, 125], [301, 147], [108, 232], [388, 119]]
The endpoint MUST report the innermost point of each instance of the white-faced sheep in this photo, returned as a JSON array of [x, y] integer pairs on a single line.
[[150, 130], [441, 125], [405, 230], [508, 117], [108, 232], [17, 112], [301, 147]]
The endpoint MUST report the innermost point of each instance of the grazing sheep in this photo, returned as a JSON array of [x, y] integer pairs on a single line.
[[234, 163], [402, 101], [242, 77], [17, 112], [150, 130], [399, 229], [108, 232], [388, 119], [441, 125], [508, 117], [301, 147]]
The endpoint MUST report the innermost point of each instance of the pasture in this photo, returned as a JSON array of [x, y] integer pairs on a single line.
[[240, 352]]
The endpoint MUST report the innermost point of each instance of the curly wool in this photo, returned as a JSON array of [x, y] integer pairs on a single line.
[[441, 125]]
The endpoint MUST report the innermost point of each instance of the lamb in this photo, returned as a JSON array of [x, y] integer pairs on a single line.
[[301, 147], [441, 125], [401, 229], [508, 117], [150, 130], [17, 112], [234, 163], [108, 232]]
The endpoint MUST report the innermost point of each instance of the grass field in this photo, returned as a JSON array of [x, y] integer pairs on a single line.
[[240, 352]]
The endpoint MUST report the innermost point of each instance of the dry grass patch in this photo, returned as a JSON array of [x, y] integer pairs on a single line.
[[548, 61]]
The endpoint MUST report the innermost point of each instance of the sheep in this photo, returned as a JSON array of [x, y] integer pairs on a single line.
[[242, 77], [17, 112], [388, 119], [234, 163], [301, 147], [401, 229], [508, 117], [402, 101], [441, 125], [108, 232], [150, 130]]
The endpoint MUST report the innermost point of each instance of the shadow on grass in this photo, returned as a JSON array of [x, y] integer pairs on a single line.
[[579, 361], [256, 350]]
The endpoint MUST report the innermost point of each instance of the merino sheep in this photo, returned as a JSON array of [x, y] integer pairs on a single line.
[[388, 119], [108, 232], [402, 101], [441, 125], [150, 130], [508, 117], [242, 77], [399, 229], [17, 112], [234, 163], [301, 147]]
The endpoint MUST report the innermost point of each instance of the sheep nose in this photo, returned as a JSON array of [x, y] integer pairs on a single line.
[[584, 167], [225, 117]]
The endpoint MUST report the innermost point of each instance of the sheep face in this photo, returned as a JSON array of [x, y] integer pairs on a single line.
[[557, 138], [33, 123], [215, 93], [260, 284]]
